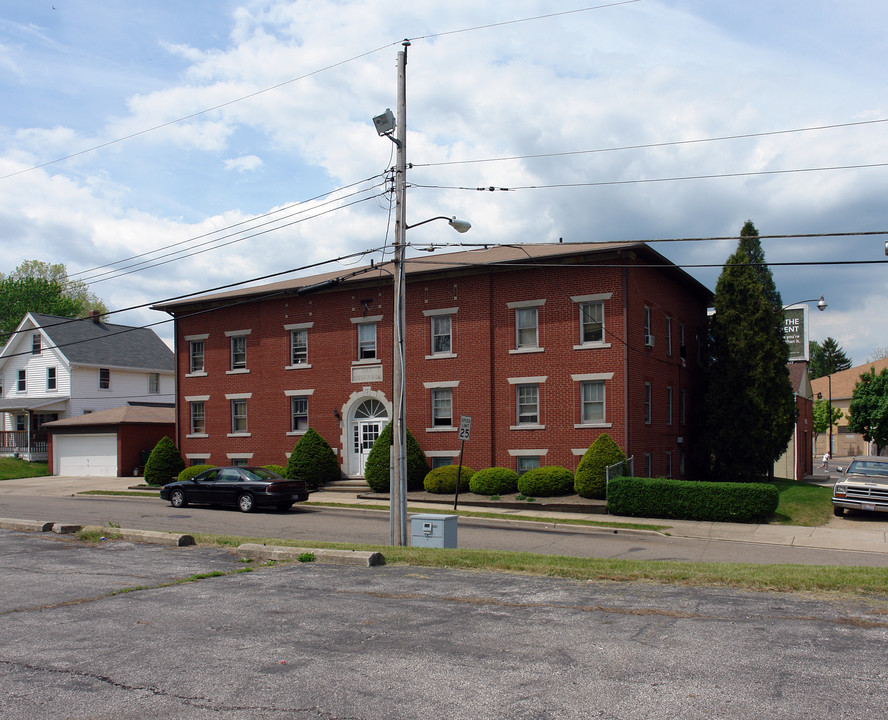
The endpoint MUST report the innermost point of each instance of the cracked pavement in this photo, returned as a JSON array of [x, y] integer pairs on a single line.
[[106, 631]]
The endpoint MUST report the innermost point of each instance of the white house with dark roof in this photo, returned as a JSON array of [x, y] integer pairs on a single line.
[[54, 368]]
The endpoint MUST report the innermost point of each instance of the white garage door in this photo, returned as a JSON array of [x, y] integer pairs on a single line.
[[85, 455]]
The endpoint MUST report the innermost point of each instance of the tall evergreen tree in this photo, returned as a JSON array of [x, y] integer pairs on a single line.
[[827, 358], [750, 407]]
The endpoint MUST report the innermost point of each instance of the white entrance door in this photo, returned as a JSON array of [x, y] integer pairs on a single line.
[[369, 420]]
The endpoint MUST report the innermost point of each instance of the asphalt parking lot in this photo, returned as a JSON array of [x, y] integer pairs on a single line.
[[309, 640]]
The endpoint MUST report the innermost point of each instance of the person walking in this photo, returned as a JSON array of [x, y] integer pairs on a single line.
[[825, 464]]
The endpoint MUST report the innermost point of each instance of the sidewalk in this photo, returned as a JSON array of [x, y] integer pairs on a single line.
[[866, 533]]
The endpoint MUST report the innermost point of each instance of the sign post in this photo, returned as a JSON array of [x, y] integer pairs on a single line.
[[465, 427]]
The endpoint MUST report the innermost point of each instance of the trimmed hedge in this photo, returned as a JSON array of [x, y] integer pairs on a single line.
[[312, 461], [164, 463], [691, 500], [591, 477], [279, 469], [546, 481], [376, 469], [494, 481], [193, 470], [442, 480]]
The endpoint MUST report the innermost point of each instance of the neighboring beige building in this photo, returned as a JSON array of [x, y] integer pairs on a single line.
[[840, 387]]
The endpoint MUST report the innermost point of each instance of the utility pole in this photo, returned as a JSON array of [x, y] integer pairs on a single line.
[[398, 494]]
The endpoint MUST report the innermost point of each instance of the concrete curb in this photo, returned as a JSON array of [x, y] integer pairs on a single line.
[[25, 525], [361, 558], [154, 537]]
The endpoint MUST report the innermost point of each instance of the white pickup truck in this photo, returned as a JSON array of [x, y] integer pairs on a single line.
[[862, 486]]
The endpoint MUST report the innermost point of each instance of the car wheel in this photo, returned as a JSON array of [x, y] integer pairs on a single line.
[[283, 507], [838, 511], [178, 499], [246, 503]]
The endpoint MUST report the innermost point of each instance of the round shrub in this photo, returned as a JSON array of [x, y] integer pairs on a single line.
[[279, 469], [494, 481], [193, 470], [442, 480], [312, 460], [164, 463], [546, 482], [591, 477], [376, 469]]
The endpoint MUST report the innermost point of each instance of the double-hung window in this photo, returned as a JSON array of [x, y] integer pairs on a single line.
[[196, 355], [591, 323], [528, 404], [647, 403], [669, 405], [153, 383], [36, 344], [593, 401], [239, 352], [104, 379], [527, 325], [366, 341], [198, 417], [298, 347], [526, 328], [239, 416], [299, 413], [22, 385], [442, 407], [442, 334], [51, 378]]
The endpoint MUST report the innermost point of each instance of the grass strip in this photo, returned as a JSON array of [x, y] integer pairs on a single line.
[[837, 581]]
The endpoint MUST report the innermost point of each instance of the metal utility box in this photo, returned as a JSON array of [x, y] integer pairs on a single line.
[[433, 531]]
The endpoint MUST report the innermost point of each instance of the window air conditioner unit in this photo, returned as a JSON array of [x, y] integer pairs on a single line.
[[649, 341]]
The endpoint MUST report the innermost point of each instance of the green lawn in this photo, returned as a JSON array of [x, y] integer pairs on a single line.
[[11, 468], [802, 504]]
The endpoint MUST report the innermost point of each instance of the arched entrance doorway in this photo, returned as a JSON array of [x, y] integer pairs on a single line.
[[367, 419]]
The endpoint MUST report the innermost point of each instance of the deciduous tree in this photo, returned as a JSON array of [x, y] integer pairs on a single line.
[[868, 412]]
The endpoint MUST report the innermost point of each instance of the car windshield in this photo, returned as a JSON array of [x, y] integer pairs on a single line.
[[870, 468]]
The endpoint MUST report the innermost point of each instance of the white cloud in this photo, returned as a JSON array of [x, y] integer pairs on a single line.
[[243, 163]]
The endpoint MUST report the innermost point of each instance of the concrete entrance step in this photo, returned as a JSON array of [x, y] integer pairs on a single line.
[[346, 486]]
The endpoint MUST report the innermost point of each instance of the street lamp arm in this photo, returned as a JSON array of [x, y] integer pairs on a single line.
[[460, 226], [821, 303]]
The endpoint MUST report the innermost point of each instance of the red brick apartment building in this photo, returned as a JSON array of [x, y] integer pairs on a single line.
[[544, 346]]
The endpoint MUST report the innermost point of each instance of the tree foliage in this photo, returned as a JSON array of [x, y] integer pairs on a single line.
[[827, 358], [821, 416], [164, 463], [312, 460], [591, 476], [36, 286], [376, 469], [868, 412], [750, 407]]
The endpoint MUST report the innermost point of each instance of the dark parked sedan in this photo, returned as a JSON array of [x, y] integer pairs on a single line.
[[245, 487]]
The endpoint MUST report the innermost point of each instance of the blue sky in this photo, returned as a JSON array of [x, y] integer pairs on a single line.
[[78, 74]]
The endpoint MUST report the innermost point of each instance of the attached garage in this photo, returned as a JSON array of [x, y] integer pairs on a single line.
[[85, 455], [108, 443]]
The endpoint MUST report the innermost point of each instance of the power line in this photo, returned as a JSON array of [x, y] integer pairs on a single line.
[[279, 85], [605, 183], [224, 229], [648, 146]]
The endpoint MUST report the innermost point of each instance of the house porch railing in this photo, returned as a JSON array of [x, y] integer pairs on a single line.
[[15, 443]]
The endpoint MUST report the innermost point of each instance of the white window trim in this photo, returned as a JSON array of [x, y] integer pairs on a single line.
[[238, 396], [298, 393], [445, 384], [197, 338], [538, 380], [527, 380], [190, 338], [192, 399], [596, 297], [292, 394], [290, 328], [530, 453], [438, 313], [523, 305], [594, 377], [442, 311], [366, 320], [520, 304], [237, 333]]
